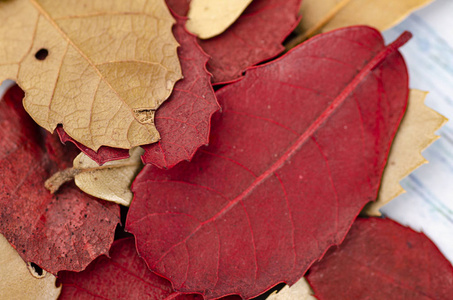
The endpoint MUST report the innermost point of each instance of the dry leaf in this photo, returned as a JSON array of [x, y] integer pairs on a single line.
[[209, 18], [19, 280], [301, 290], [322, 16], [100, 68], [120, 275], [65, 231], [416, 132], [379, 260], [211, 225], [111, 181]]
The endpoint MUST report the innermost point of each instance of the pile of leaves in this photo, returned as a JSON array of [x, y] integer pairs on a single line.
[[177, 150]]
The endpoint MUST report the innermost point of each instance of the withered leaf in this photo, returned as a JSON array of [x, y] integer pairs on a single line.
[[19, 280], [111, 181], [183, 120], [416, 132], [301, 290], [99, 68], [322, 16], [380, 259], [297, 152], [209, 18], [121, 275], [64, 231], [256, 36]]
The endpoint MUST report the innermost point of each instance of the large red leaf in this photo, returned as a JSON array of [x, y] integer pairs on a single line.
[[123, 275], [297, 152], [380, 259], [256, 36], [65, 231], [183, 121]]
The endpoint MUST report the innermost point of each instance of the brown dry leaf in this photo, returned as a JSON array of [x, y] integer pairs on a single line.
[[321, 16], [111, 181], [416, 132], [19, 280], [209, 18], [100, 68], [301, 290]]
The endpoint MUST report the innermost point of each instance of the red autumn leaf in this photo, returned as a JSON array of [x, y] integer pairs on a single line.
[[103, 155], [243, 45], [123, 275], [183, 121], [179, 7], [297, 152], [380, 259], [65, 231]]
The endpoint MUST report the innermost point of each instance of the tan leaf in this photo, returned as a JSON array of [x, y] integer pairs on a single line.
[[111, 181], [209, 18], [416, 132], [301, 290], [100, 68], [21, 281], [321, 16]]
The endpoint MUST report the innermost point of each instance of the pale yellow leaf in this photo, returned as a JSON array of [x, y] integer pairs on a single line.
[[301, 290], [321, 16], [109, 65], [110, 181], [416, 132], [208, 18], [19, 280]]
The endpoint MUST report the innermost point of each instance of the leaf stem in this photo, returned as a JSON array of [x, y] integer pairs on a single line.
[[59, 178]]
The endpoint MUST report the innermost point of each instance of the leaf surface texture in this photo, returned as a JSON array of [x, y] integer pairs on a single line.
[[18, 280], [380, 259], [111, 181], [183, 120], [298, 150], [122, 275], [63, 231], [101, 69]]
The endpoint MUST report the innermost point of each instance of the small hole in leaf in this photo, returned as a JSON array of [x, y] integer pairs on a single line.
[[36, 270], [42, 54]]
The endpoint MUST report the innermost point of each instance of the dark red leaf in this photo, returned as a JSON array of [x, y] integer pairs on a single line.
[[103, 155], [179, 7], [183, 121], [65, 231], [255, 37], [123, 275], [380, 259], [297, 152]]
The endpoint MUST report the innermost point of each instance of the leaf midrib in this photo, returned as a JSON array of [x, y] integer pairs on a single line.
[[376, 61]]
